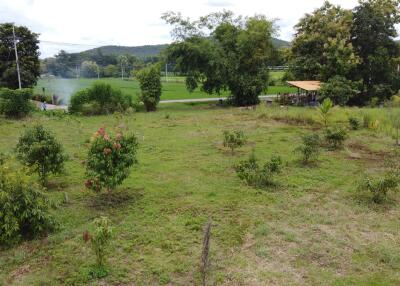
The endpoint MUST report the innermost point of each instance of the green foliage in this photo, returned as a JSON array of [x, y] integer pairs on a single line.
[[101, 98], [367, 120], [99, 241], [110, 71], [310, 148], [233, 139], [109, 160], [322, 48], [380, 187], [39, 149], [89, 69], [233, 55], [354, 123], [150, 86], [259, 176], [324, 110], [395, 101], [335, 137], [28, 50], [15, 103], [373, 32], [338, 89], [24, 212], [394, 117]]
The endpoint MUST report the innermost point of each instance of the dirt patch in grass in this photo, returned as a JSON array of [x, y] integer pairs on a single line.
[[117, 199], [359, 151]]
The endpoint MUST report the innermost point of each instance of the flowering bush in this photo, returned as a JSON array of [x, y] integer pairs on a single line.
[[109, 160]]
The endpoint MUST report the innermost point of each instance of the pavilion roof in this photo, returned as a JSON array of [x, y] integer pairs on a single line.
[[309, 85]]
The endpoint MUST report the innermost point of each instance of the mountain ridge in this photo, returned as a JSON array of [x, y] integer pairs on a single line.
[[149, 50]]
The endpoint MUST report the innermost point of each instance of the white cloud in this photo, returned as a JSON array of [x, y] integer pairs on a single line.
[[130, 22]]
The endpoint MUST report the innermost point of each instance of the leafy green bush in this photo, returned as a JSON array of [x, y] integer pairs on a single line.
[[39, 149], [389, 181], [395, 101], [101, 98], [99, 241], [380, 187], [109, 160], [354, 123], [150, 86], [24, 212], [335, 137], [233, 139], [338, 89], [310, 148], [259, 176], [15, 103]]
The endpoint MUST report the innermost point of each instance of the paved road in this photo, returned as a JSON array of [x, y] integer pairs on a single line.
[[193, 100], [262, 97]]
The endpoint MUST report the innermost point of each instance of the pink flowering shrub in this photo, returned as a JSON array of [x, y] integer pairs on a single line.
[[109, 160]]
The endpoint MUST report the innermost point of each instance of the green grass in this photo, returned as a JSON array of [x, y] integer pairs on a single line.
[[310, 230], [175, 88]]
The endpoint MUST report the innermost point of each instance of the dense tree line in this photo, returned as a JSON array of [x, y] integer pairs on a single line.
[[72, 65], [354, 49]]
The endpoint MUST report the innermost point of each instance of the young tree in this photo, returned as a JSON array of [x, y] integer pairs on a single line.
[[322, 47], [39, 149], [221, 52], [338, 89], [150, 86], [373, 32], [325, 110], [28, 51]]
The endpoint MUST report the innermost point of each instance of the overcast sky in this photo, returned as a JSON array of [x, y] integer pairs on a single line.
[[92, 23]]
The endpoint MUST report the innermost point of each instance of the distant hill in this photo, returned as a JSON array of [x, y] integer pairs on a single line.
[[278, 43], [150, 50], [139, 51]]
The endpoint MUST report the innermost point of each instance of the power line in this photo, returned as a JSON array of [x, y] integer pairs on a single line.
[[69, 44]]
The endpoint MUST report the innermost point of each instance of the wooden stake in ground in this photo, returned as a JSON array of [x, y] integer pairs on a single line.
[[205, 252]]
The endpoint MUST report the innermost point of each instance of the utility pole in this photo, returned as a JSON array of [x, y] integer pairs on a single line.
[[98, 72], [166, 72], [16, 59]]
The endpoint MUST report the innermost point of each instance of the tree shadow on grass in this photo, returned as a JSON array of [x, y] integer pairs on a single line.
[[117, 199]]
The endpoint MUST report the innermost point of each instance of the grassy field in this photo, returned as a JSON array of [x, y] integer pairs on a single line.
[[313, 229], [174, 89]]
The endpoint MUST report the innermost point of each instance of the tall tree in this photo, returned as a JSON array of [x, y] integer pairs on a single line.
[[322, 46], [28, 53], [220, 52], [373, 34]]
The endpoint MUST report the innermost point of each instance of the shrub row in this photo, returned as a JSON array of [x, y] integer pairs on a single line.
[[101, 98]]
